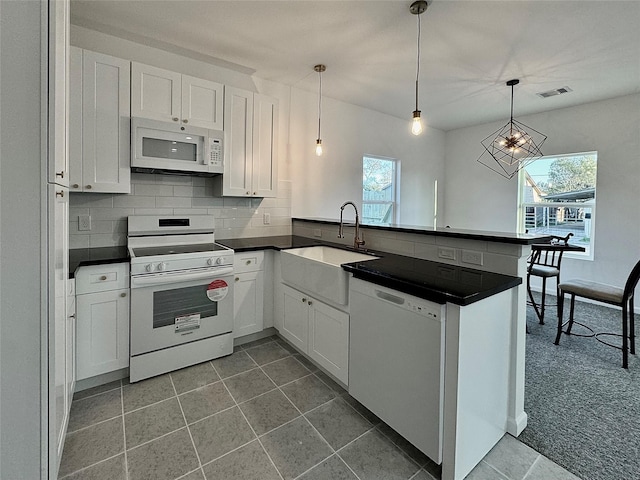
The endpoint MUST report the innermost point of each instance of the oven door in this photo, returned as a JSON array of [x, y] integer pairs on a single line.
[[174, 308]]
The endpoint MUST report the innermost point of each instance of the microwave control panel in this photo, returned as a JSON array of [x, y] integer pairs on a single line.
[[215, 152]]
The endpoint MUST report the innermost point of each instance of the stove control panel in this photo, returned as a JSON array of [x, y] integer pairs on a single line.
[[175, 264]]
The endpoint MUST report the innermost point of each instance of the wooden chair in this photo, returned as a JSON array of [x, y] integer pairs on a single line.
[[621, 297], [544, 262]]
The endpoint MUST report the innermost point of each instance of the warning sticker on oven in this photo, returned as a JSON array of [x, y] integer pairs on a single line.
[[187, 322], [217, 290]]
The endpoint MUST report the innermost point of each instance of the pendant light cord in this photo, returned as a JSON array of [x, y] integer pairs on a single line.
[[511, 119], [418, 61], [319, 104]]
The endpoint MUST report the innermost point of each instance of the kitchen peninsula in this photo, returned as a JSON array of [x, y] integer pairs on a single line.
[[484, 351]]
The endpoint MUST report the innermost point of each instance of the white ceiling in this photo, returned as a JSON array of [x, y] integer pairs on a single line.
[[469, 48]]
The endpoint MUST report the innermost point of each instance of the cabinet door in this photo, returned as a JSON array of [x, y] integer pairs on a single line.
[[329, 339], [70, 375], [75, 120], [248, 298], [102, 332], [58, 118], [105, 124], [295, 317], [155, 93], [238, 114], [58, 268], [265, 159], [202, 103]]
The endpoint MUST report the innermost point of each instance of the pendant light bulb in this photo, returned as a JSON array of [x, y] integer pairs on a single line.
[[416, 125], [417, 8], [319, 68]]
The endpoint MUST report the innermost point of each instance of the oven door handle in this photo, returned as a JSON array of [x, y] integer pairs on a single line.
[[162, 278]]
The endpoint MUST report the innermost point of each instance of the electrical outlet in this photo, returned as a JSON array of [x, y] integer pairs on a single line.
[[266, 218], [469, 256], [84, 223], [317, 232], [448, 253]]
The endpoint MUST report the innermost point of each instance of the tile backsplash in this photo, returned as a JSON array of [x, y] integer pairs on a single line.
[[176, 195]]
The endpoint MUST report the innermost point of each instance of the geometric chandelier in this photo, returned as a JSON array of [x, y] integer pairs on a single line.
[[511, 147]]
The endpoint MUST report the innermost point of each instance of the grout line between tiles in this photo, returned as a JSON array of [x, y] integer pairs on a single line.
[[193, 444], [96, 394], [149, 405], [92, 425], [124, 434], [189, 473], [531, 467], [89, 466], [252, 429]]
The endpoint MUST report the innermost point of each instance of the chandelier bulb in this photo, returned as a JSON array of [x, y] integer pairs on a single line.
[[416, 125], [319, 147]]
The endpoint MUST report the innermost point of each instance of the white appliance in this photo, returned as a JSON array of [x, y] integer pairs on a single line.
[[181, 294], [396, 362], [161, 147]]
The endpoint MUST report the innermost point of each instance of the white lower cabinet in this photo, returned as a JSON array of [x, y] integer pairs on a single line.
[[248, 294], [317, 329], [102, 310]]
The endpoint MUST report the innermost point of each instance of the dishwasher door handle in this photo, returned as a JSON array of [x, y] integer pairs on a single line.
[[389, 297]]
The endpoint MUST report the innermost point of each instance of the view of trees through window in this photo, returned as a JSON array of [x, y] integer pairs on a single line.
[[378, 190], [558, 197]]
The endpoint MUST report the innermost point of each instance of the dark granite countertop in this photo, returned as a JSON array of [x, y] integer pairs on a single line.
[[281, 242], [438, 282], [80, 257], [487, 236]]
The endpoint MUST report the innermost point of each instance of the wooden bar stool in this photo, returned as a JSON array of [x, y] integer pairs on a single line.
[[621, 297]]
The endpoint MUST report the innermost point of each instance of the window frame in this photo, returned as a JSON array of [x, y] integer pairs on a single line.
[[591, 204], [395, 185]]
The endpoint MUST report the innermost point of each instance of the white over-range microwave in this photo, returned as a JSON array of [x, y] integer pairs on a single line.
[[161, 147]]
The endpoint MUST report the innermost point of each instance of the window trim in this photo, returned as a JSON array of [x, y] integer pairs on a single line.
[[522, 206], [395, 186]]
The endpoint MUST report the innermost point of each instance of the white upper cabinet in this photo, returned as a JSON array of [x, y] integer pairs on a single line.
[[250, 157], [58, 164], [168, 96], [100, 123]]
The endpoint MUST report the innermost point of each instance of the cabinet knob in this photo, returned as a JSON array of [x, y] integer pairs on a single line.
[[175, 119], [248, 262], [73, 315], [237, 279], [254, 193], [304, 300], [185, 120], [248, 193], [60, 174], [123, 294], [75, 185], [103, 277], [88, 187], [309, 302], [60, 193]]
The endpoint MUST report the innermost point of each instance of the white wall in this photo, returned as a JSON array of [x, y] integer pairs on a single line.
[[322, 184], [22, 290], [478, 198]]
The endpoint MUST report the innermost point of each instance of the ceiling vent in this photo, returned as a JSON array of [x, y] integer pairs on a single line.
[[553, 93]]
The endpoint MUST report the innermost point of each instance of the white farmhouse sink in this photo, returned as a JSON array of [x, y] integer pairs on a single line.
[[317, 270]]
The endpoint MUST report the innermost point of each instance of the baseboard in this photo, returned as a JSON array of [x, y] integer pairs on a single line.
[[103, 379], [252, 337], [515, 426]]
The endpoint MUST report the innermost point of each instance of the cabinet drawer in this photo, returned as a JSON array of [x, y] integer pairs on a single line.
[[100, 278], [248, 262]]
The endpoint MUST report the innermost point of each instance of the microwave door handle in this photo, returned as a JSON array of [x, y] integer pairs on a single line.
[[161, 278]]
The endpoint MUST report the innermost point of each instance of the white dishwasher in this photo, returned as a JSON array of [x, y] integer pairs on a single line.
[[396, 362]]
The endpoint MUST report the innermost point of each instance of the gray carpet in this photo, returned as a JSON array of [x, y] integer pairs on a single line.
[[583, 407]]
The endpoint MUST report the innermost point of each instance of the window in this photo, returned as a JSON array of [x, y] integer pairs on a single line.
[[558, 196], [379, 190]]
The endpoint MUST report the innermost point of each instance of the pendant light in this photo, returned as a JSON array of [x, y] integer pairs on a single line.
[[511, 147], [319, 68], [417, 8]]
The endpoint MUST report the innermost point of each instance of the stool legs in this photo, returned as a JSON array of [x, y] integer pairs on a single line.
[[632, 329], [560, 314], [625, 336]]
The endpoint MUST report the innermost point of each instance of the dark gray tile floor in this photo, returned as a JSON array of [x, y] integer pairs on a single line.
[[263, 413]]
